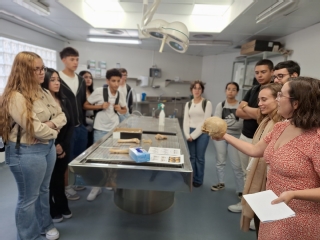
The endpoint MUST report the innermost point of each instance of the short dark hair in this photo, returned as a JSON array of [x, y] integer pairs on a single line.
[[46, 81], [267, 62], [193, 84], [69, 52], [233, 83], [113, 73], [291, 66], [90, 88], [306, 91], [123, 70]]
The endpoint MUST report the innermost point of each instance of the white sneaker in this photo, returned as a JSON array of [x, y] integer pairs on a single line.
[[78, 188], [52, 234], [235, 208], [252, 226], [71, 194], [95, 191]]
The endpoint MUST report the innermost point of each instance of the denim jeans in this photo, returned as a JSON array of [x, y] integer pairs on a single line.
[[32, 166], [79, 141], [224, 149], [97, 134], [197, 151]]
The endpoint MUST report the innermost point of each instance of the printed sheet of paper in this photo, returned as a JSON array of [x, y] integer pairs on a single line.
[[168, 159], [261, 204], [164, 151]]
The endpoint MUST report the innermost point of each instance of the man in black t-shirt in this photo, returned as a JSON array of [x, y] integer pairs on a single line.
[[248, 110]]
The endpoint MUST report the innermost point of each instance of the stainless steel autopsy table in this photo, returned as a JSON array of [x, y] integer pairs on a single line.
[[142, 188]]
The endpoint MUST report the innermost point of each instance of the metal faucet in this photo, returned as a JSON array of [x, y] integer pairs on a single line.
[[159, 98], [154, 112], [175, 111]]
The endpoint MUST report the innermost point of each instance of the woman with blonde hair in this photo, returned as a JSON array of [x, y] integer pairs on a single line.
[[31, 120], [257, 170]]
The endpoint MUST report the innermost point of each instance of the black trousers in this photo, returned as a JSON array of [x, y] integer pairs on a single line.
[[58, 199]]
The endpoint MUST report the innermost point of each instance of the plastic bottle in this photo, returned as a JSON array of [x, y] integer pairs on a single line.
[[161, 115]]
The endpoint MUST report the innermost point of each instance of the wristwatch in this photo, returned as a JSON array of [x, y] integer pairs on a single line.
[[244, 106]]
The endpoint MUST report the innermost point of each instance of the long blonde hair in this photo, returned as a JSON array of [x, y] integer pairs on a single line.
[[274, 88], [22, 79]]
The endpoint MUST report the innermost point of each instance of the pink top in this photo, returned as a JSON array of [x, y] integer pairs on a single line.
[[293, 166]]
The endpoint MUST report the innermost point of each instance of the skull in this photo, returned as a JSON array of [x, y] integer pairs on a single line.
[[215, 127]]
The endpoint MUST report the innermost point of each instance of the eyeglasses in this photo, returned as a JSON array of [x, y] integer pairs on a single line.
[[279, 76], [39, 70], [280, 95]]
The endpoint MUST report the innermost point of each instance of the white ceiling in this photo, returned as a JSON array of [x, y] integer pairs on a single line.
[[69, 26]]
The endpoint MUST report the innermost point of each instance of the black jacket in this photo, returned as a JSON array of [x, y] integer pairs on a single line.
[[76, 101], [65, 134]]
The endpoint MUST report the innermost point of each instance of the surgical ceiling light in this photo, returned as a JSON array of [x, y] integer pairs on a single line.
[[278, 9], [175, 34], [34, 6], [114, 40]]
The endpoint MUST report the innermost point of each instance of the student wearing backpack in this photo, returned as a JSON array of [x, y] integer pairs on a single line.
[[30, 123], [227, 111], [109, 103], [195, 113]]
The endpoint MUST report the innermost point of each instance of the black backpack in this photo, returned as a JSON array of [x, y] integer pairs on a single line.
[[204, 104], [106, 99]]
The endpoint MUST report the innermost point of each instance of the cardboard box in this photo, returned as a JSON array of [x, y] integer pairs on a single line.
[[257, 46], [127, 133]]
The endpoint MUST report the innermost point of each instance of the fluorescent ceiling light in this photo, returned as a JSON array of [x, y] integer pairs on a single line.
[[34, 6], [209, 9], [114, 40], [278, 8], [26, 21], [105, 5], [210, 43]]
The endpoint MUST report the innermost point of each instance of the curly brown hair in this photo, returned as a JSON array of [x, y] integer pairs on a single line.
[[21, 79], [274, 88], [306, 91], [193, 84]]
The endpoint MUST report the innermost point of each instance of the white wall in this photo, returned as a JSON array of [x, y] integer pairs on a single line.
[[23, 34], [216, 72], [138, 62], [306, 50]]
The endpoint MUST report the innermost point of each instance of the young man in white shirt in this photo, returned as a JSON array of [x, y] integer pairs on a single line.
[[74, 88], [108, 116]]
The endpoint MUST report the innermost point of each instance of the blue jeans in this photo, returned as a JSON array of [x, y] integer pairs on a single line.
[[32, 166], [79, 141], [197, 151], [97, 134]]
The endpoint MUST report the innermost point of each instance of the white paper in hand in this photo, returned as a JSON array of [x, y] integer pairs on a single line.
[[261, 204]]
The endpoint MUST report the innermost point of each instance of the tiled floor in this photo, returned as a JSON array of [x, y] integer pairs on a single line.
[[201, 214]]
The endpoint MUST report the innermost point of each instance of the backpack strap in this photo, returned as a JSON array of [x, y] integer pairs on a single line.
[[223, 103], [189, 104], [105, 94], [204, 104]]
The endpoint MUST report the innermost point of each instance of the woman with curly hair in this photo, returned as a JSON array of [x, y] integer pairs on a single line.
[[292, 153], [31, 121]]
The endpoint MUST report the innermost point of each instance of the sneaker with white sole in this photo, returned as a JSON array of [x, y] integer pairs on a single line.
[[236, 208], [58, 218], [252, 226], [78, 188], [67, 214], [52, 234], [95, 191], [71, 194], [217, 187]]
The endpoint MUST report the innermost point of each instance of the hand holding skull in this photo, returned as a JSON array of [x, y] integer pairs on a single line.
[[215, 127]]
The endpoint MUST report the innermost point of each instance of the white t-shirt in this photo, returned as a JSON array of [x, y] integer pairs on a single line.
[[72, 82], [106, 119], [123, 92], [195, 117]]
